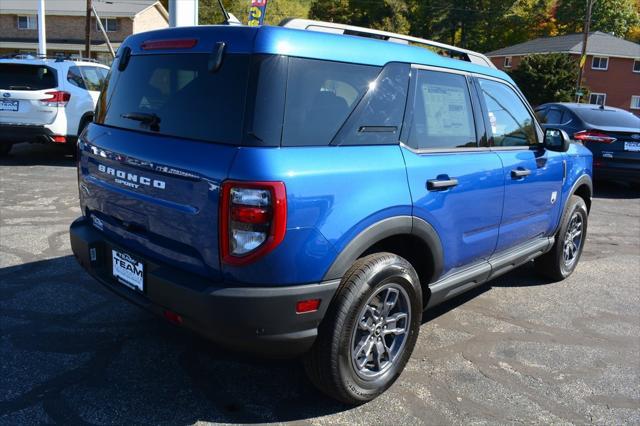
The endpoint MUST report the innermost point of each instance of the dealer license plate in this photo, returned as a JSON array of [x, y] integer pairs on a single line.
[[632, 146], [127, 270], [9, 105]]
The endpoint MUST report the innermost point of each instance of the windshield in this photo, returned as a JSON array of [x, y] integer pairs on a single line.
[[608, 118], [177, 95], [26, 77]]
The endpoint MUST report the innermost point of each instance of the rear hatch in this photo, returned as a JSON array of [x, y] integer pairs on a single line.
[[167, 129], [614, 136], [24, 91]]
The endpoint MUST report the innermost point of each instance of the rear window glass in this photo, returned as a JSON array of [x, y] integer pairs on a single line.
[[26, 77], [608, 118], [177, 95], [320, 97]]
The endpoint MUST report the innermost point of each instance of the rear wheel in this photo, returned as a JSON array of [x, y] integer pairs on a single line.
[[5, 148], [562, 259], [369, 330]]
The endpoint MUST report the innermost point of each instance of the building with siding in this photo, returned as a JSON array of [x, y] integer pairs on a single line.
[[65, 25]]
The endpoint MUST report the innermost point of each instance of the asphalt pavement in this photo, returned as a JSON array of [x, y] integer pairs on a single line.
[[516, 350]]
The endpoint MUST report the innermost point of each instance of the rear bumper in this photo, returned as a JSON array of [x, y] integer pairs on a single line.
[[259, 320], [14, 133], [617, 172]]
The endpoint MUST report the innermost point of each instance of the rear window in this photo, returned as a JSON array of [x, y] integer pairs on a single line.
[[258, 100], [608, 118], [26, 77], [177, 95]]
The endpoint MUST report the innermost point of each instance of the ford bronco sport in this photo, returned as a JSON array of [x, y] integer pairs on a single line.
[[294, 192]]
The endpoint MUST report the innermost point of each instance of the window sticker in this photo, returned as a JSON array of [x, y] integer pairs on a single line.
[[446, 110]]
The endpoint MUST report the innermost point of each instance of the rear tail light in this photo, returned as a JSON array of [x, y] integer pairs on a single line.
[[593, 136], [253, 220], [172, 317], [56, 98], [59, 139]]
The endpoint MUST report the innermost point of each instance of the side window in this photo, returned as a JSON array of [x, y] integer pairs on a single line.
[[92, 79], [320, 97], [441, 114], [509, 119], [103, 73], [377, 119], [541, 113], [554, 116], [75, 77]]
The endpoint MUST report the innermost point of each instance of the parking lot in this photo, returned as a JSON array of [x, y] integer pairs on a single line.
[[519, 349]]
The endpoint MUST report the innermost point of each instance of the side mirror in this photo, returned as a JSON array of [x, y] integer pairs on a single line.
[[556, 140]]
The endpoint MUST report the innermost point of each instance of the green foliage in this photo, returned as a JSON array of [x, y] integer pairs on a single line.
[[388, 15], [547, 78], [481, 25], [209, 11], [619, 17]]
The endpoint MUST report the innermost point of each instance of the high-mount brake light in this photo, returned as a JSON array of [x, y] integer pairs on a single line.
[[56, 98], [253, 220], [182, 43], [593, 136]]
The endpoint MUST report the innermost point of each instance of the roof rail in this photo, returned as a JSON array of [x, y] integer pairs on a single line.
[[439, 48], [57, 58]]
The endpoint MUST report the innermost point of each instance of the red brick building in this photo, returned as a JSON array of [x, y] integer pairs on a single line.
[[611, 71]]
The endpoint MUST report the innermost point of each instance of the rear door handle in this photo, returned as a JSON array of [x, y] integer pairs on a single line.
[[441, 184], [520, 173]]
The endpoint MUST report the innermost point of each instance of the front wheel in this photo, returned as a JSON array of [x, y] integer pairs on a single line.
[[369, 331], [562, 259]]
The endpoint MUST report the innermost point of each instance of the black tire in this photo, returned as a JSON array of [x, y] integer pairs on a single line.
[[329, 364], [5, 148], [553, 264]]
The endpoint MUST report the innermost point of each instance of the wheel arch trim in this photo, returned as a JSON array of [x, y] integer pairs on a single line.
[[389, 227], [584, 179]]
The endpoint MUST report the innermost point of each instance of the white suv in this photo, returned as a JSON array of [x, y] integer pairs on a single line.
[[47, 100]]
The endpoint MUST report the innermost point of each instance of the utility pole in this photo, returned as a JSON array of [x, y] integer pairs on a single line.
[[42, 30], [583, 55], [87, 31], [104, 33], [183, 13]]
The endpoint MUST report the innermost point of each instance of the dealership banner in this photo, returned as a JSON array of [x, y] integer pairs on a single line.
[[257, 12]]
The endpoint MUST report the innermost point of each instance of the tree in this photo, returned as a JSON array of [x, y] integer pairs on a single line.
[[547, 77], [209, 11], [388, 15], [618, 17]]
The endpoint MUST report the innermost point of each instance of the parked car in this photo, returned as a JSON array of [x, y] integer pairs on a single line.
[[291, 192], [612, 135], [46, 100]]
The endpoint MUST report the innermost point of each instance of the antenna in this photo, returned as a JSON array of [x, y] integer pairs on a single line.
[[224, 12]]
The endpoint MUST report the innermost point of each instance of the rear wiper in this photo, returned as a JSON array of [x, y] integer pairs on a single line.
[[19, 87], [144, 117]]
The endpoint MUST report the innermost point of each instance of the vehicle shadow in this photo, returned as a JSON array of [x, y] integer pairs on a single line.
[[80, 352], [523, 276], [26, 154]]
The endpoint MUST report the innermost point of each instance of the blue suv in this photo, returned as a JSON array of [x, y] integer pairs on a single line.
[[291, 192]]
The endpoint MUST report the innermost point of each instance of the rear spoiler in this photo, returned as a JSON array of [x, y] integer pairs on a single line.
[[439, 48]]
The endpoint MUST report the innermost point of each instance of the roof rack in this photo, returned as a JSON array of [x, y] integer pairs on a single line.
[[439, 48], [57, 58]]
